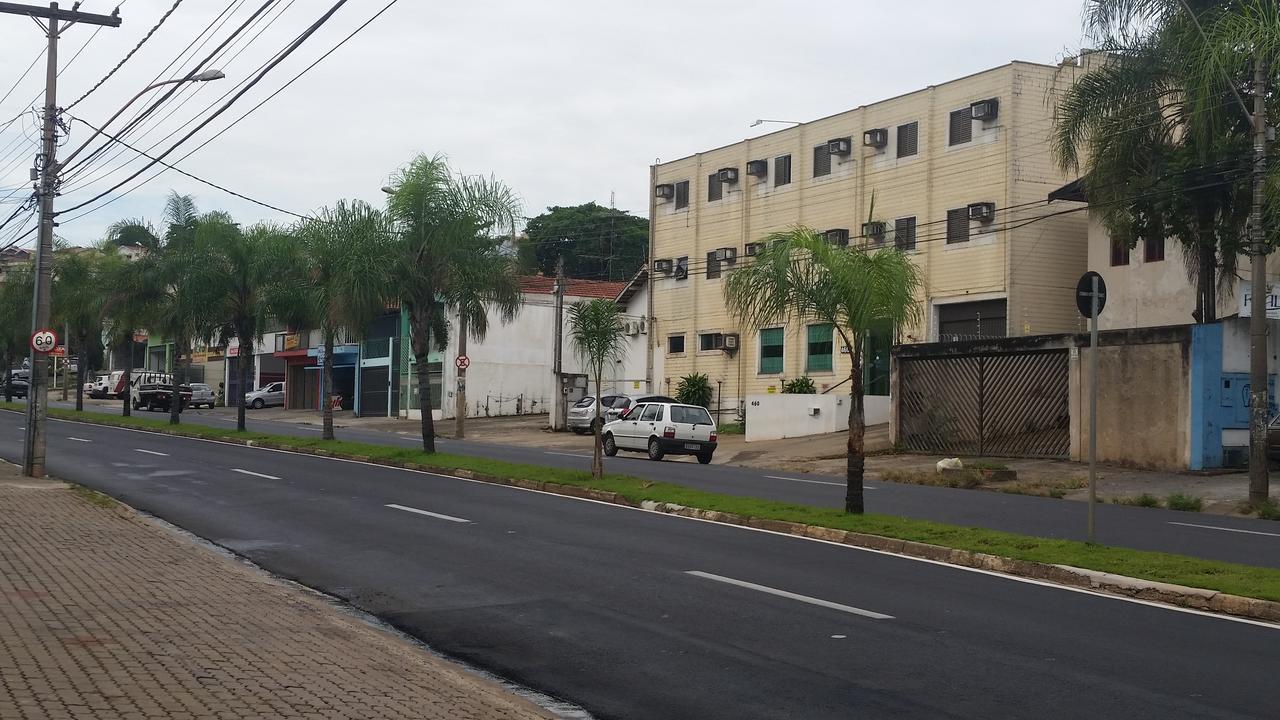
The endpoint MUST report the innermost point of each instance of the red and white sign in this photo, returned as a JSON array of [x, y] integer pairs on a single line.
[[59, 351], [463, 362], [43, 341]]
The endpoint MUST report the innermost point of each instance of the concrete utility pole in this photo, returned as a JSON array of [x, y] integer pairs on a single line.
[[1259, 480], [460, 407], [558, 409], [38, 390]]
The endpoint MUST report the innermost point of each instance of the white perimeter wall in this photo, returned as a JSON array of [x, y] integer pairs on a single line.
[[773, 417]]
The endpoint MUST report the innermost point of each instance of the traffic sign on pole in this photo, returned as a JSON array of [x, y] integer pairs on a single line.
[[463, 362], [1085, 290], [43, 341]]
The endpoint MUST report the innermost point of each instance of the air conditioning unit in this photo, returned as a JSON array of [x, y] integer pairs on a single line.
[[632, 328], [681, 271], [758, 168], [985, 109], [730, 343], [873, 230], [754, 249], [663, 266], [728, 175], [665, 191], [982, 211], [839, 146], [876, 138], [837, 236], [727, 255]]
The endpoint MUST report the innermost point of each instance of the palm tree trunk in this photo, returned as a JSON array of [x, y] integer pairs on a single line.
[[597, 450], [127, 377], [855, 452], [243, 362], [424, 404], [175, 395], [8, 375], [327, 387], [83, 344]]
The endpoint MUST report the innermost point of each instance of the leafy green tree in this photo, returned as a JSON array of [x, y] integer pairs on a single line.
[[596, 330], [78, 293], [15, 318], [799, 386], [447, 259], [694, 389], [129, 288], [595, 242], [336, 278], [798, 273]]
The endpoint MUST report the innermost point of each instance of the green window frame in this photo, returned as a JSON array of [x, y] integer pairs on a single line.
[[771, 351], [821, 345]]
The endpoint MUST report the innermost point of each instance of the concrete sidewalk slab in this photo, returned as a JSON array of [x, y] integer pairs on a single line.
[[107, 614]]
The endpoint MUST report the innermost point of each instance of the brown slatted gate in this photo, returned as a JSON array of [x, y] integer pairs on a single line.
[[1009, 404]]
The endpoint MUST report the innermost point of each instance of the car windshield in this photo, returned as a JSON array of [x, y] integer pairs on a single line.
[[621, 401], [585, 402], [690, 414]]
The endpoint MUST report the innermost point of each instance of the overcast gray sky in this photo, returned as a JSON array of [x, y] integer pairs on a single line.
[[565, 101]]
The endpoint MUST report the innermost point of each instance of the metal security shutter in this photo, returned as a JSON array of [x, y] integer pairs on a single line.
[[958, 225], [715, 190], [908, 139], [904, 233], [821, 161], [682, 194], [961, 127], [713, 265], [972, 320], [782, 170]]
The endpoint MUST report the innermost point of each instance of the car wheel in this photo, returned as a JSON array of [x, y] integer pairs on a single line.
[[258, 404], [579, 431], [610, 445], [704, 458], [655, 449]]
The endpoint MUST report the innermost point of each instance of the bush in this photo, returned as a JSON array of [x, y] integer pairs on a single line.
[[1143, 500], [694, 389], [1188, 503], [800, 386], [1269, 510]]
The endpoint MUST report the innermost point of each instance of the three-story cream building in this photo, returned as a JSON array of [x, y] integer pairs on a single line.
[[956, 175]]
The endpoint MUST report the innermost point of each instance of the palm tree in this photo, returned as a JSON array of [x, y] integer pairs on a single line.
[[798, 273], [1158, 139], [78, 288], [15, 317], [448, 260], [129, 287], [337, 279], [595, 327], [234, 275]]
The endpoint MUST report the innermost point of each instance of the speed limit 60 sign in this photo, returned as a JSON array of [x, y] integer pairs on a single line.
[[42, 341]]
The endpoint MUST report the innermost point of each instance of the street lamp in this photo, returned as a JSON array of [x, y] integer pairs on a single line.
[[787, 122], [205, 76]]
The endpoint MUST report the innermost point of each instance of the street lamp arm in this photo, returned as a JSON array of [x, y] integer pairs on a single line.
[[205, 76]]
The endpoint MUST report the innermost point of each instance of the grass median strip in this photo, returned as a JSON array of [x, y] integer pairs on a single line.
[[1235, 579]]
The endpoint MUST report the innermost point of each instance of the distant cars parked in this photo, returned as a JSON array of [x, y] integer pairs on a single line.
[[663, 428], [584, 411], [154, 391], [202, 395], [18, 387], [623, 403], [271, 395]]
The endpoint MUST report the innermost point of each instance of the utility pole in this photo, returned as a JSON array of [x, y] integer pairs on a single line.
[[460, 407], [38, 390], [558, 414], [1259, 397]]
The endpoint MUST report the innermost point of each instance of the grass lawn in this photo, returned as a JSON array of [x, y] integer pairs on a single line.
[[1230, 578]]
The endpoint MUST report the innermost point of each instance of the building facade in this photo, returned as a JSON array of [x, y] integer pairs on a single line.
[[956, 175]]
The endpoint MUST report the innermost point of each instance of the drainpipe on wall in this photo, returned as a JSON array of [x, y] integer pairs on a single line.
[[653, 321]]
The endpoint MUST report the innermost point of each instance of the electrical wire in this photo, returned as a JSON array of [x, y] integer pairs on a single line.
[[128, 55]]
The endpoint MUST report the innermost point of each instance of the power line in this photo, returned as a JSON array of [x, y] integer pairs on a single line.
[[128, 55]]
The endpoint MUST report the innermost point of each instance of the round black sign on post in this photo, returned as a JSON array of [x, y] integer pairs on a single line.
[[1084, 294]]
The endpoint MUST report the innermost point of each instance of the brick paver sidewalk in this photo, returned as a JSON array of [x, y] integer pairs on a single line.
[[105, 614]]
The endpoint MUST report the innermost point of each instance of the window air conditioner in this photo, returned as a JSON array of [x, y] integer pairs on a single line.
[[837, 236], [754, 249], [758, 168], [665, 191], [873, 230], [662, 266], [876, 138], [982, 211], [728, 175], [985, 109], [838, 146], [727, 255]]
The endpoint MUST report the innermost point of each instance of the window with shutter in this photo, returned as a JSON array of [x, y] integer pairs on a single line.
[[908, 138], [771, 351], [961, 130], [821, 161], [1153, 249], [958, 225], [713, 265], [821, 342], [782, 170], [715, 190], [904, 233], [682, 194]]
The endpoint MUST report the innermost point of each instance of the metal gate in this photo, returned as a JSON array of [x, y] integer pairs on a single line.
[[1013, 404]]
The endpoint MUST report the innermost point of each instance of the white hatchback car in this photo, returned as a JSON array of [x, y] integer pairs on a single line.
[[663, 428]]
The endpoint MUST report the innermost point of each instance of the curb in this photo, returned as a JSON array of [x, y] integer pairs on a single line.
[[1150, 590]]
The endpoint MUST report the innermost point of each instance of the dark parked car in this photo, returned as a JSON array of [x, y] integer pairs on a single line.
[[18, 387]]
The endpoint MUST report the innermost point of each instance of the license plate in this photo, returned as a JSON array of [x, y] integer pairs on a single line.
[[692, 446]]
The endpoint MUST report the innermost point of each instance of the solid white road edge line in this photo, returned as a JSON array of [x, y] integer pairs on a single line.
[[255, 474], [1225, 529], [548, 452], [815, 482], [151, 452], [78, 439], [428, 513], [959, 568], [790, 595]]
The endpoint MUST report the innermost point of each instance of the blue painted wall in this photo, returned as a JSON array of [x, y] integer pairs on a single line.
[[1219, 401]]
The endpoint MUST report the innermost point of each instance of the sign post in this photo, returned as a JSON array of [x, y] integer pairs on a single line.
[[1091, 296]]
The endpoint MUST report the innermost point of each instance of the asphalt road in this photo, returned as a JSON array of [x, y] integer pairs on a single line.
[[642, 615], [1242, 540]]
